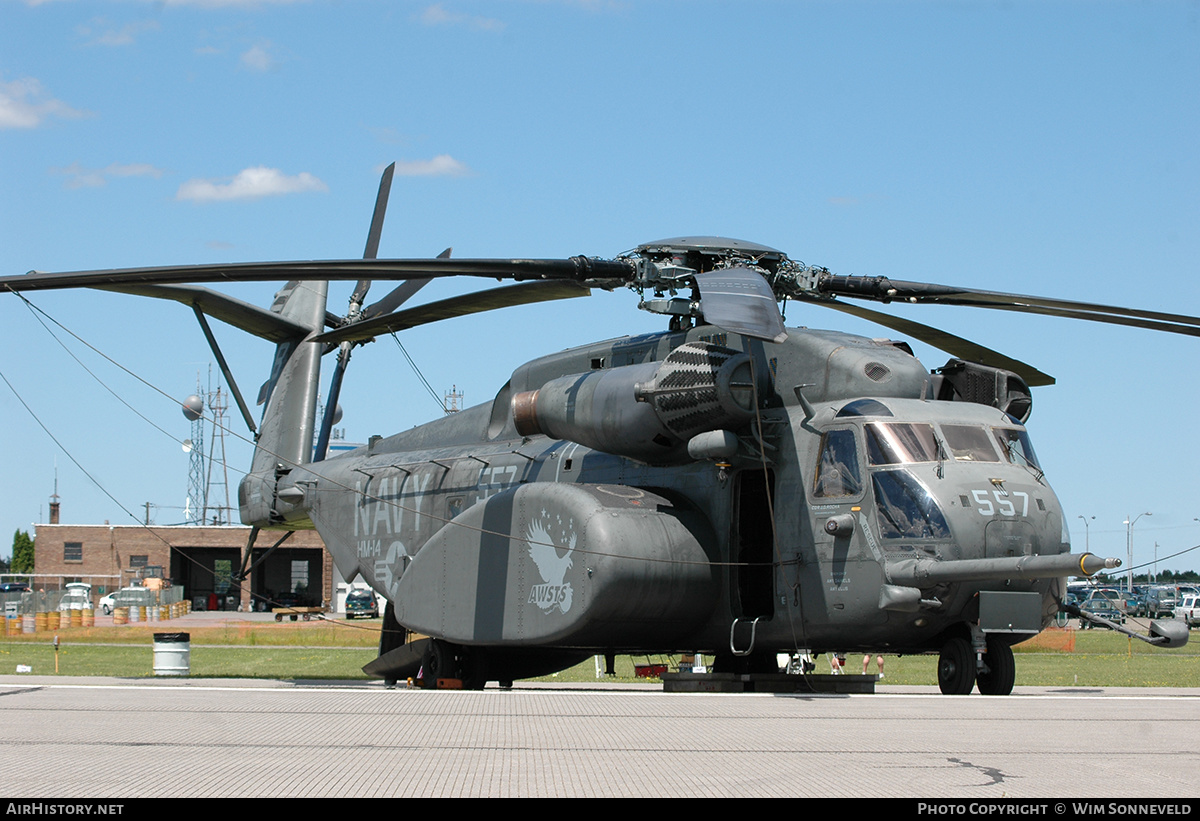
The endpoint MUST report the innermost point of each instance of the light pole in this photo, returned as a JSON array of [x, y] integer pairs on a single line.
[[1087, 539], [1129, 523]]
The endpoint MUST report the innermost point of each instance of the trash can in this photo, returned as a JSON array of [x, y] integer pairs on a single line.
[[172, 654]]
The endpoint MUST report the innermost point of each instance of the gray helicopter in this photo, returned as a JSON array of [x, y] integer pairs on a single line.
[[727, 486]]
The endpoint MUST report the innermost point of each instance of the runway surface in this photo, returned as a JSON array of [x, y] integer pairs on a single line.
[[112, 738]]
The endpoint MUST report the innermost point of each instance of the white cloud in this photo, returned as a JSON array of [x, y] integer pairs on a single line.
[[24, 105], [101, 33], [435, 15], [80, 177], [258, 58], [250, 184], [443, 165]]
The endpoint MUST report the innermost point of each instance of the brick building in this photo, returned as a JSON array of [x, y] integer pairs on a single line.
[[202, 559]]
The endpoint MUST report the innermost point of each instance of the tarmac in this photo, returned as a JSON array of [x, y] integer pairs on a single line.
[[118, 738], [112, 738]]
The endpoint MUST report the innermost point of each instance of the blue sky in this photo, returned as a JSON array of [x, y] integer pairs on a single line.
[[1045, 148]]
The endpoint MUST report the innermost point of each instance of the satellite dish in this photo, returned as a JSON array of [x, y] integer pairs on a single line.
[[187, 445], [193, 407]]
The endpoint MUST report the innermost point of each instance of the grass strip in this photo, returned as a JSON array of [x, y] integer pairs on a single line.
[[338, 650]]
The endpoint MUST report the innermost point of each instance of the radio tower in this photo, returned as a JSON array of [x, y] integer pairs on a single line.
[[453, 401], [217, 483], [193, 411], [208, 476]]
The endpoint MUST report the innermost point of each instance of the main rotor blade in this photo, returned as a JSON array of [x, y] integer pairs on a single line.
[[944, 341], [578, 269], [250, 318], [885, 290], [1167, 327], [400, 294], [473, 303], [741, 301]]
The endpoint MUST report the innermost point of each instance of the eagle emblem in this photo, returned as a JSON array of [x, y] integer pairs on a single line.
[[546, 536]]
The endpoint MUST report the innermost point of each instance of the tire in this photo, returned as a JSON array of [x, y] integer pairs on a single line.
[[956, 668], [438, 662], [1002, 673]]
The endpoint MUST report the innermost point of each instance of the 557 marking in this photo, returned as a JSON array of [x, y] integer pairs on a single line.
[[1002, 504]]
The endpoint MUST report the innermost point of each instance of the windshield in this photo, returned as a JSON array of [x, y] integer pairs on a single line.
[[1015, 444], [969, 443], [899, 443], [906, 509]]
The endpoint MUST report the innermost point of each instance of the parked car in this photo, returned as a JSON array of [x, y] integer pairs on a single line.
[[106, 603], [14, 587], [1189, 609], [1135, 604], [1161, 601], [133, 597], [362, 603], [1103, 607], [1113, 595], [75, 599]]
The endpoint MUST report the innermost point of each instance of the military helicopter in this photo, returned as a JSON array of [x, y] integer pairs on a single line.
[[726, 486]]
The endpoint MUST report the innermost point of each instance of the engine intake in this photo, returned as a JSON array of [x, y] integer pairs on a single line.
[[647, 412], [964, 381]]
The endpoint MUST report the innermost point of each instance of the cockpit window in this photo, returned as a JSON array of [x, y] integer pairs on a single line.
[[837, 472], [906, 509], [1015, 444], [895, 443], [969, 443]]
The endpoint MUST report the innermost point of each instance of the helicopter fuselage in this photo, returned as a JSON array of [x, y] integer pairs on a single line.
[[805, 517]]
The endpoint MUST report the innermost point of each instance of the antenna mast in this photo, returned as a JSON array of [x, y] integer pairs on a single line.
[[208, 475]]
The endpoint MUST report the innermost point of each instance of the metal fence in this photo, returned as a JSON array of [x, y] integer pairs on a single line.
[[29, 603]]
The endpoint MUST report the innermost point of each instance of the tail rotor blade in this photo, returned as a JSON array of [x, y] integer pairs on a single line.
[[400, 294], [373, 235], [355, 312], [381, 201]]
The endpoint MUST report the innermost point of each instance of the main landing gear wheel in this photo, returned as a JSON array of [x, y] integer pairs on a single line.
[[437, 663], [1002, 673], [445, 660], [956, 668]]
